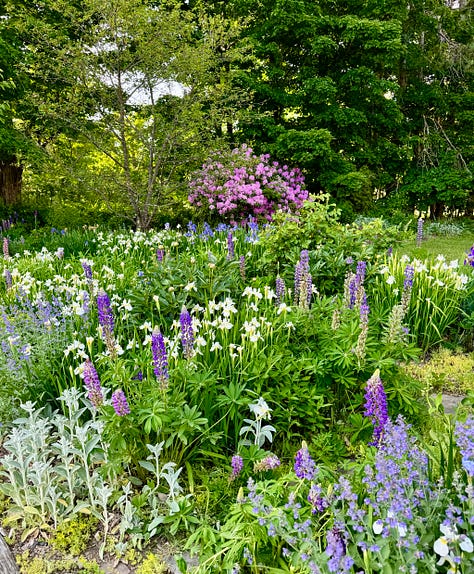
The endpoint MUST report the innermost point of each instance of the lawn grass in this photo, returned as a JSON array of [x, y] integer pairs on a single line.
[[452, 247]]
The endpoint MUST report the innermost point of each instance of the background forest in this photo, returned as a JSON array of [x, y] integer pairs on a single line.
[[108, 106]]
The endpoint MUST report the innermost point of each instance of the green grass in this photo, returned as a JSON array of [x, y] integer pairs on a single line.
[[452, 247]]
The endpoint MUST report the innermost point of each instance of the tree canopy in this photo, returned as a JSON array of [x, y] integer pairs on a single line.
[[125, 98]]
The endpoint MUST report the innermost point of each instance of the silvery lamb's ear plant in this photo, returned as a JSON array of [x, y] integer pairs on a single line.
[[260, 432], [52, 466]]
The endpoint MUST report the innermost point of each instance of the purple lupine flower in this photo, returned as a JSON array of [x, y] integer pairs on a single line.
[[106, 317], [279, 290], [230, 246], [120, 404], [352, 292], [304, 466], [87, 269], [269, 462], [409, 274], [92, 384], [464, 433], [138, 376], [419, 232], [160, 254], [237, 464], [360, 272], [160, 358], [242, 266], [6, 248], [187, 333], [304, 259], [309, 289], [297, 283], [364, 311], [8, 279], [470, 257], [376, 406], [390, 251]]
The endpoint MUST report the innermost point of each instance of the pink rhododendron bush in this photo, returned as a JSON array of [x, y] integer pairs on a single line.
[[236, 185]]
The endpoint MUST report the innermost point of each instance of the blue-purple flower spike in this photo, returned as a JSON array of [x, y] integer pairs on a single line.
[[104, 309], [376, 406], [304, 465], [187, 333], [160, 357], [120, 403], [92, 384], [279, 290], [230, 246]]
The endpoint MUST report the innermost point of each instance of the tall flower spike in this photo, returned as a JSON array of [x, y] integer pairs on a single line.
[[106, 317], [106, 320], [6, 248], [92, 384], [279, 291], [8, 279], [187, 333], [376, 406], [87, 270], [409, 275], [419, 232], [230, 246], [304, 465], [160, 358], [120, 403]]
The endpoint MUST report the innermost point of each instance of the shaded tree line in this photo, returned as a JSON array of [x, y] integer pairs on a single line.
[[114, 103]]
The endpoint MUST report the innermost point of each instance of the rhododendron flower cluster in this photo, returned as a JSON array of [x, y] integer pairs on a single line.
[[238, 185]]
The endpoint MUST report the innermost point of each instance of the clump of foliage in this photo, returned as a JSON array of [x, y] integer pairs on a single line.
[[388, 511], [446, 370], [239, 185], [73, 536], [332, 245]]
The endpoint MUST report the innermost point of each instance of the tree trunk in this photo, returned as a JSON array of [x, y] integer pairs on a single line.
[[10, 181], [7, 562]]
